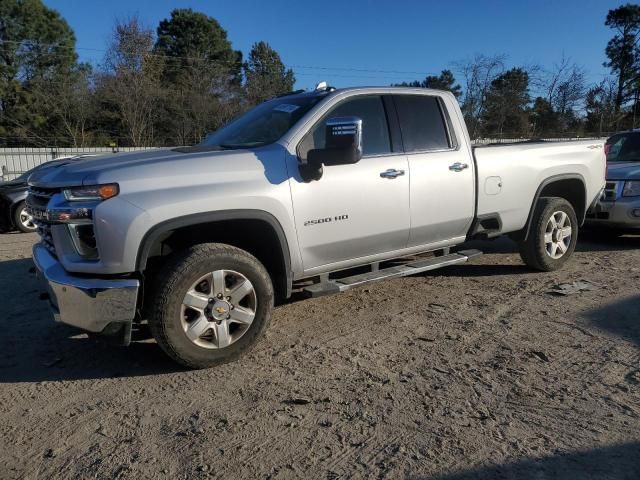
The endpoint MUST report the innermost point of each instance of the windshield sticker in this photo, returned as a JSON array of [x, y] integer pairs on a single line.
[[286, 108]]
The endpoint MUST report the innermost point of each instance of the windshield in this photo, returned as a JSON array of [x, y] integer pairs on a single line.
[[623, 148], [264, 124]]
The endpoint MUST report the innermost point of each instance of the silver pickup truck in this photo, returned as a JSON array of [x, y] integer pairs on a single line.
[[199, 241]]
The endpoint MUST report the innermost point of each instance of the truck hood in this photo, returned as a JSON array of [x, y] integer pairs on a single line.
[[623, 171], [11, 184], [71, 174], [158, 164]]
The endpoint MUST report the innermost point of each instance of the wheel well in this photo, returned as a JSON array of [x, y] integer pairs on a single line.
[[572, 190], [258, 237]]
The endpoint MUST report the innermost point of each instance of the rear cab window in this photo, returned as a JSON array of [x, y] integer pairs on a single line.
[[423, 124]]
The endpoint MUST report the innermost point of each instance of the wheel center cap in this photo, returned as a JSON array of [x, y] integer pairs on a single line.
[[220, 309], [557, 235]]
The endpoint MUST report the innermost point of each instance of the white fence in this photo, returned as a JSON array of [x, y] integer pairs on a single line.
[[14, 161]]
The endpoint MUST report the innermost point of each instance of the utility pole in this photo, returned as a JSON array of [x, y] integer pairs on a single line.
[[601, 120], [635, 103]]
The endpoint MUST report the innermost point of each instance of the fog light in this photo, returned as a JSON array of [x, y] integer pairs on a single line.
[[635, 212], [84, 240]]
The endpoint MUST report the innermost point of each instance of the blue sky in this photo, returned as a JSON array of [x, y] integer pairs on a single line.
[[361, 42]]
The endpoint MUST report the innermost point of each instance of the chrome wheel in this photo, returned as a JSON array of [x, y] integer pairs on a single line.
[[26, 220], [218, 309], [557, 236]]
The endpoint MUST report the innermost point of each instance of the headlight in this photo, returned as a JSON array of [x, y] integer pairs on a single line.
[[631, 189], [93, 192]]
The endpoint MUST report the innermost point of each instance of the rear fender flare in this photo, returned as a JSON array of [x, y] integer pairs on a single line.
[[546, 182]]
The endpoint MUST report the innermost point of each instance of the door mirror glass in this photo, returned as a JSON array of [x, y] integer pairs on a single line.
[[343, 145], [344, 133]]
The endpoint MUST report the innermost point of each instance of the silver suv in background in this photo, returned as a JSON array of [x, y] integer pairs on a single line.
[[618, 210]]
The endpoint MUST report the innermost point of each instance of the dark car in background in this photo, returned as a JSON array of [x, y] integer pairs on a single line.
[[13, 193], [618, 210]]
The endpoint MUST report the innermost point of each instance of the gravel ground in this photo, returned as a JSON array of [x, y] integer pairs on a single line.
[[473, 372]]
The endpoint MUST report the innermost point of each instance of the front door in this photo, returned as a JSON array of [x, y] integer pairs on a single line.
[[356, 210]]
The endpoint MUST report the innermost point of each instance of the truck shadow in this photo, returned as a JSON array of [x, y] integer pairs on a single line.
[[594, 241], [620, 317], [614, 462], [588, 241], [34, 348]]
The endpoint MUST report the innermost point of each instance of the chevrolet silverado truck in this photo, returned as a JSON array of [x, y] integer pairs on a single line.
[[318, 192]]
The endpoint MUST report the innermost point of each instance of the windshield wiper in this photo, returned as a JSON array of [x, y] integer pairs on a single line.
[[199, 148], [236, 146]]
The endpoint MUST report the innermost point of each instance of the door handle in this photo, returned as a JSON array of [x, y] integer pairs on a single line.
[[391, 173], [458, 167]]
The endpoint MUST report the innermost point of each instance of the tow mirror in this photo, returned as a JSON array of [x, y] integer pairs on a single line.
[[343, 145]]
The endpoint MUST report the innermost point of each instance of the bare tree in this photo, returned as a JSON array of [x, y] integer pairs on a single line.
[[478, 73], [132, 79], [600, 105], [565, 86], [69, 99], [198, 100]]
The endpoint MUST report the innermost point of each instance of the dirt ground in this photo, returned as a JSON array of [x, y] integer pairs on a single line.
[[473, 372]]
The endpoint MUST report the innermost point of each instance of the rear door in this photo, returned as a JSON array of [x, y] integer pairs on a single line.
[[442, 182], [358, 210]]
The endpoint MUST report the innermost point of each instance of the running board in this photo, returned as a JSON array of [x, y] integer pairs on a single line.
[[338, 285]]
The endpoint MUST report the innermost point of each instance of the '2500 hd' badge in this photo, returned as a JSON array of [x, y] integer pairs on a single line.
[[319, 221]]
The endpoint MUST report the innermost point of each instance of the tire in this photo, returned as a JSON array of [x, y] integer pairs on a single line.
[[22, 220], [199, 336], [537, 251]]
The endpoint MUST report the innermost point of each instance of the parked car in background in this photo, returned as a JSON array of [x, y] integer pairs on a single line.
[[618, 210], [13, 193]]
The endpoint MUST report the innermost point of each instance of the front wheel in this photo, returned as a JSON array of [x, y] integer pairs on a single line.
[[211, 305], [22, 219], [553, 235]]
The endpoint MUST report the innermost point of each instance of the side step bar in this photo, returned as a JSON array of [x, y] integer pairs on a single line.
[[338, 285]]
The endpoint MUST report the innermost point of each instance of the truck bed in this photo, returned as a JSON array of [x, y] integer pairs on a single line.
[[509, 175]]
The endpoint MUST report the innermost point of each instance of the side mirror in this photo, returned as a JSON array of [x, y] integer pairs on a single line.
[[343, 145]]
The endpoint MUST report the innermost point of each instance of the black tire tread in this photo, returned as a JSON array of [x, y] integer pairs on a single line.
[[532, 250], [172, 273]]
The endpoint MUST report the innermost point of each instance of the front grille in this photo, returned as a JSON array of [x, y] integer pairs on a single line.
[[44, 230], [37, 205], [39, 197], [610, 193]]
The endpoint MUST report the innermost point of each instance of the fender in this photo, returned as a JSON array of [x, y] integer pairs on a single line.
[[207, 217], [545, 183]]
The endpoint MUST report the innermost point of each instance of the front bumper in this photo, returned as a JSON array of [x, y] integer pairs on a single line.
[[92, 304], [621, 214]]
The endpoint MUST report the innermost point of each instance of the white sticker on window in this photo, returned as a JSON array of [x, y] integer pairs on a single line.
[[286, 108]]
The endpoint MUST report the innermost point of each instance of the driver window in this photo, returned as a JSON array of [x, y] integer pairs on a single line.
[[375, 132]]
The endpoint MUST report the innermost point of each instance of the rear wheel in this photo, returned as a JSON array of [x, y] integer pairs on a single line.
[[553, 235], [211, 305], [22, 219]]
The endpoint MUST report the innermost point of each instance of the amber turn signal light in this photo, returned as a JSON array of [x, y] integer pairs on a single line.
[[109, 190]]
